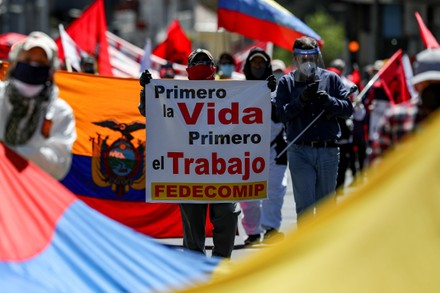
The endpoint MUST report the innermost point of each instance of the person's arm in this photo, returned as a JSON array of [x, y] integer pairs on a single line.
[[54, 154], [334, 99], [288, 103], [144, 79]]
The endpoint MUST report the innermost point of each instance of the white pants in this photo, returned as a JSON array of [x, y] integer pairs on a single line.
[[264, 214]]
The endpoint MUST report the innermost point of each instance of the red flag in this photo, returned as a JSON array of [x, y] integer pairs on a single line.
[[6, 42], [176, 47], [393, 80], [88, 32], [428, 39], [72, 52]]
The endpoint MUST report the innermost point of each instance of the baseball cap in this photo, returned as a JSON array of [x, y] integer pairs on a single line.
[[40, 40], [427, 66], [258, 55], [278, 64], [197, 52]]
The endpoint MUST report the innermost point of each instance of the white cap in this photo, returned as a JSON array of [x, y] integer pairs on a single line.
[[258, 55], [43, 41], [278, 64]]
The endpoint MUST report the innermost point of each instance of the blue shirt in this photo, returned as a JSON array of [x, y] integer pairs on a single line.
[[297, 115]]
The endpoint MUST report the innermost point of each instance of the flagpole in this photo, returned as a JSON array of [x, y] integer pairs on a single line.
[[358, 98], [269, 49], [68, 65]]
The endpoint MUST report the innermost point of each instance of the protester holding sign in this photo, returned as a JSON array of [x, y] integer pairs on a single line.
[[223, 216], [264, 216], [306, 93]]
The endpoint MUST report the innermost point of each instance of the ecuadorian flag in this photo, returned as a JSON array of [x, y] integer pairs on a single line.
[[108, 166], [263, 20], [53, 242]]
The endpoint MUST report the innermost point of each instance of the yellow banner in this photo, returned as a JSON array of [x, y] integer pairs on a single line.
[[383, 238]]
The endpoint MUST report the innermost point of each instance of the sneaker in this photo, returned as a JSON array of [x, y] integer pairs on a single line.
[[272, 235], [252, 240]]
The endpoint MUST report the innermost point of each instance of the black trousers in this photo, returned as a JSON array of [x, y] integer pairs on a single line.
[[346, 160], [223, 216]]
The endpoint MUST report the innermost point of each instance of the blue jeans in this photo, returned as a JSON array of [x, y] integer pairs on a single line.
[[313, 172]]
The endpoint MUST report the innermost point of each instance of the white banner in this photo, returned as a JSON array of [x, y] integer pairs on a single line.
[[207, 141]]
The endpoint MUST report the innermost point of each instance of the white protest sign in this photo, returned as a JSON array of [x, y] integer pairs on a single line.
[[207, 141]]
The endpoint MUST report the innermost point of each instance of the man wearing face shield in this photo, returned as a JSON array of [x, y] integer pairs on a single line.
[[302, 95], [223, 216], [34, 122]]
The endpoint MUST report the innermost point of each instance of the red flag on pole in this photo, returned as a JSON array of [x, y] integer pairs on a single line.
[[428, 39], [176, 47], [393, 80], [72, 52], [88, 32]]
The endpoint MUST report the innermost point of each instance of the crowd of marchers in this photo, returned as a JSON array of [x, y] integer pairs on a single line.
[[320, 129]]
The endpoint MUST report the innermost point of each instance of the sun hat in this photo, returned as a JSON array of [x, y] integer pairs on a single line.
[[427, 66]]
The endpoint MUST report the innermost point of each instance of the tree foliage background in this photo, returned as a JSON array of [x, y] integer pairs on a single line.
[[330, 30]]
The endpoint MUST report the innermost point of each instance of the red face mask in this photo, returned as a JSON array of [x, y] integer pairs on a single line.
[[201, 72]]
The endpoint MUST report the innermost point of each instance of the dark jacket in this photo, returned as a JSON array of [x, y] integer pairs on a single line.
[[297, 115]]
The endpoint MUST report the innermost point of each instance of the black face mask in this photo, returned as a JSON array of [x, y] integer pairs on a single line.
[[31, 74]]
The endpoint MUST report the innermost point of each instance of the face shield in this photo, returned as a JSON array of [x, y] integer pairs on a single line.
[[307, 62]]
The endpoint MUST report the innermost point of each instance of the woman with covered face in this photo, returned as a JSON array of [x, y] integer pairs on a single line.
[[34, 121]]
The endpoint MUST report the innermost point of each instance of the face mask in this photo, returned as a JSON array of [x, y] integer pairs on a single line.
[[227, 69], [258, 72], [201, 72], [30, 73], [308, 69], [27, 90]]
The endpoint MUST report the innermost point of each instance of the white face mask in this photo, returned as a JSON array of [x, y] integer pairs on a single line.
[[27, 90], [308, 69]]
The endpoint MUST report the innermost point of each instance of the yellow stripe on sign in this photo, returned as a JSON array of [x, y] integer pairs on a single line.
[[209, 191]]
